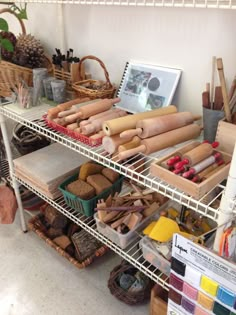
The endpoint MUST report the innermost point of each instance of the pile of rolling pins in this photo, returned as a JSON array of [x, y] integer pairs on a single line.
[[85, 116], [148, 132]]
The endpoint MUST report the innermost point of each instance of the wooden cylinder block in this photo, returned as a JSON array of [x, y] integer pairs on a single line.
[[198, 154], [115, 126]]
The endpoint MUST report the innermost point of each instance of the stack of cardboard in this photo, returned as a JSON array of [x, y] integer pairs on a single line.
[[47, 168]]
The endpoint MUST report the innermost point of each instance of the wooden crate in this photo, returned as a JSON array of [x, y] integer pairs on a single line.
[[226, 136], [196, 190], [159, 298]]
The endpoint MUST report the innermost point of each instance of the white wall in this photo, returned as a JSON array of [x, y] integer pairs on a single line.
[[176, 37]]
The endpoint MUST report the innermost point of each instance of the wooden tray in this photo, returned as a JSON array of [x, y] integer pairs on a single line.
[[35, 225], [196, 190]]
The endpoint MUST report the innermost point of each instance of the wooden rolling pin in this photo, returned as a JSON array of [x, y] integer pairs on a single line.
[[53, 112], [96, 124], [170, 162], [150, 127], [111, 144], [115, 126], [94, 117], [75, 108], [92, 109], [220, 68], [136, 141], [196, 155], [163, 141]]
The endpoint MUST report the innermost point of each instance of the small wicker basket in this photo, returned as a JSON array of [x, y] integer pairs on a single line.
[[107, 91], [126, 296], [10, 73]]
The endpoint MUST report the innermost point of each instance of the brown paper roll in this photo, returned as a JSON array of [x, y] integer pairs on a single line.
[[115, 126]]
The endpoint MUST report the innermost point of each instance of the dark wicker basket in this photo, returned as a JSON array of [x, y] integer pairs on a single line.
[[36, 226], [125, 296]]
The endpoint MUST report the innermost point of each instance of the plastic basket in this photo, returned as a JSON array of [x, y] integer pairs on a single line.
[[75, 135], [87, 206]]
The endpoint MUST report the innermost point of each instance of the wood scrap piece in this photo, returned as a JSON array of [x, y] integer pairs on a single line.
[[153, 208], [134, 220], [118, 222]]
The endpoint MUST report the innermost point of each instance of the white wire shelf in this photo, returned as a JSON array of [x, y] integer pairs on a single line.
[[211, 4], [132, 253], [205, 205]]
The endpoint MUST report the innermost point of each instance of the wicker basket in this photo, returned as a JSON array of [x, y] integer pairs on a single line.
[[125, 296], [36, 226], [70, 77], [82, 91], [11, 74]]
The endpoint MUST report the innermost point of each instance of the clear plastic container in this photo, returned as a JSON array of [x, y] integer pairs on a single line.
[[123, 240], [152, 256]]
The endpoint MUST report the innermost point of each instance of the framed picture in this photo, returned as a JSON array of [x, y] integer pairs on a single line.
[[145, 87]]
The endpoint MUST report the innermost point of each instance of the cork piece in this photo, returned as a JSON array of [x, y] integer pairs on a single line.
[[81, 189], [110, 174], [99, 182], [89, 169]]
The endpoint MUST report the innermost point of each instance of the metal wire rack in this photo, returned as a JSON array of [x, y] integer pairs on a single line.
[[132, 253], [211, 4], [205, 205]]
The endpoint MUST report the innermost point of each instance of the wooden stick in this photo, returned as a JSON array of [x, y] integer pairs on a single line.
[[220, 68], [212, 81], [232, 89], [136, 208]]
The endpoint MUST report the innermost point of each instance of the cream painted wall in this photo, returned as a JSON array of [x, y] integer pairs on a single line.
[[183, 38]]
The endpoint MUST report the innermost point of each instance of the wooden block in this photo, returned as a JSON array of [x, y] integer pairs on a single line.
[[134, 220], [101, 215], [118, 222], [149, 211]]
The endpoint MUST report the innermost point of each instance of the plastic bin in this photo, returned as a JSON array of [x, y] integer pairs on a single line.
[[154, 257], [87, 206], [123, 240]]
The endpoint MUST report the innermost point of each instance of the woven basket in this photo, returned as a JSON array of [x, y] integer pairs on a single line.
[[82, 91], [11, 74], [125, 296], [36, 226]]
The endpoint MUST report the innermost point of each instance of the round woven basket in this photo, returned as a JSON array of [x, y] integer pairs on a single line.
[[125, 296], [82, 91], [10, 73]]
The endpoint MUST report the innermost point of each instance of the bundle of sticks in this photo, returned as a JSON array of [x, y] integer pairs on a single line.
[[217, 97], [124, 212]]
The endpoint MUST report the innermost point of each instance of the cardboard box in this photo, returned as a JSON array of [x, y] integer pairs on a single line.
[[196, 190]]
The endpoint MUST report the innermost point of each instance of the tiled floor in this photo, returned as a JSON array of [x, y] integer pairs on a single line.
[[35, 280]]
